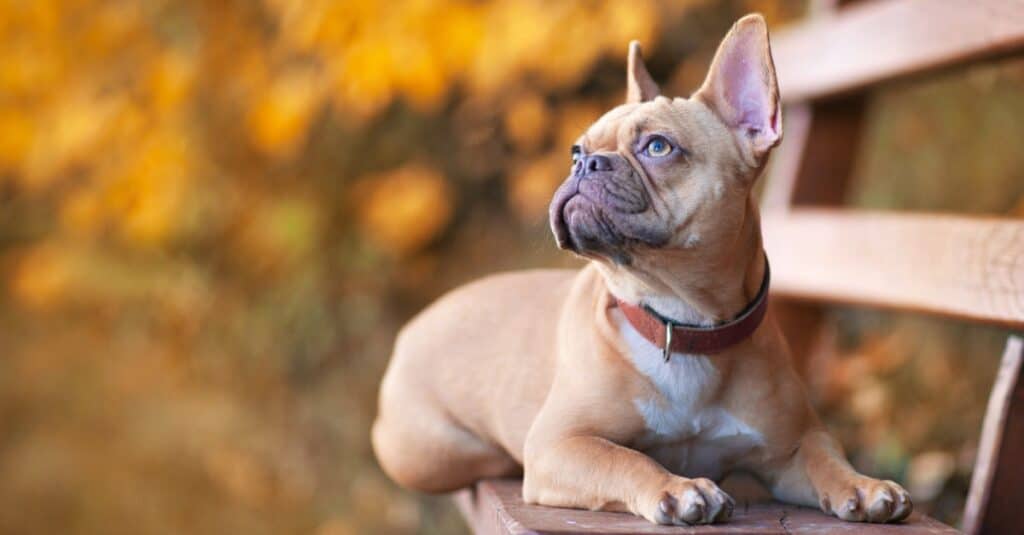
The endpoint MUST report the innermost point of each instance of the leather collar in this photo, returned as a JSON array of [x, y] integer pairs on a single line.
[[676, 337]]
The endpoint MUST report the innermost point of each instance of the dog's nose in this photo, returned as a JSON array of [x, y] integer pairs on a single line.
[[597, 162]]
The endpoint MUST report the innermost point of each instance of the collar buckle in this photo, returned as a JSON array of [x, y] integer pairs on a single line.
[[666, 351]]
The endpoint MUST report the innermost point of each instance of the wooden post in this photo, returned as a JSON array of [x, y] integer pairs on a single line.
[[812, 168], [995, 503]]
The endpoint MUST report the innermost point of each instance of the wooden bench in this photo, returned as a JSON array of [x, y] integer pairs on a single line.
[[496, 506], [967, 268]]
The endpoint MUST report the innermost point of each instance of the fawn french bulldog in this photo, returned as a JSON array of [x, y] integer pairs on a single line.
[[636, 382]]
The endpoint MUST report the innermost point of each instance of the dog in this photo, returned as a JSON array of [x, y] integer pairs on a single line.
[[636, 382]]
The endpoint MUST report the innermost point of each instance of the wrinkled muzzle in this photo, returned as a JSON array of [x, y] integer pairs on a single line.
[[603, 209]]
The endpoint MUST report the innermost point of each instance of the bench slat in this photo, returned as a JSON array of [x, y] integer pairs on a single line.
[[968, 268], [873, 41], [494, 507]]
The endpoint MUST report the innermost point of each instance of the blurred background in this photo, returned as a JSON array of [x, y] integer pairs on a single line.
[[214, 216]]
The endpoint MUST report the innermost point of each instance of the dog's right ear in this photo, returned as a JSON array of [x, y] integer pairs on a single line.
[[640, 87]]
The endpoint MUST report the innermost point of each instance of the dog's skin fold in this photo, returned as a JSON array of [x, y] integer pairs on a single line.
[[538, 373]]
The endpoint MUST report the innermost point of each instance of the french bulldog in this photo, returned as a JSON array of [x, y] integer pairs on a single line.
[[636, 382]]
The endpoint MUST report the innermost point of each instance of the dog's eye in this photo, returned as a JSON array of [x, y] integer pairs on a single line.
[[576, 152], [658, 147]]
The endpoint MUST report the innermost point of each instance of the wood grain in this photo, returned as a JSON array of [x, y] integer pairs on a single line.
[[873, 41], [495, 507], [996, 499], [967, 268]]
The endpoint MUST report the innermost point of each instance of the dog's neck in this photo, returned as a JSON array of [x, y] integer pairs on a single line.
[[712, 303], [714, 292]]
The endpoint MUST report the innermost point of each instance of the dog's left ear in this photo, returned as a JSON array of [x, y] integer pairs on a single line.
[[640, 87], [741, 86]]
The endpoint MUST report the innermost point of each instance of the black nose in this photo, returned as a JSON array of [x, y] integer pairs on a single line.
[[596, 162]]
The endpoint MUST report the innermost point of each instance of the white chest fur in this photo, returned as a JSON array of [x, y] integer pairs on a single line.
[[686, 431]]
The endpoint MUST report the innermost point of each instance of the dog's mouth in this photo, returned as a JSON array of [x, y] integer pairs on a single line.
[[583, 226], [557, 216], [604, 215]]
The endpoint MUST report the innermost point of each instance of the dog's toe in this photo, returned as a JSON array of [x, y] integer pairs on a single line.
[[902, 506], [694, 509], [851, 508], [693, 501], [881, 509], [698, 501], [869, 500]]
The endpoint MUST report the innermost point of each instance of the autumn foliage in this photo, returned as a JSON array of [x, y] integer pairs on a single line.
[[214, 216]]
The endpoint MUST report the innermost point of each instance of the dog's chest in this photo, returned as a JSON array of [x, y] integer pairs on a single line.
[[685, 430]]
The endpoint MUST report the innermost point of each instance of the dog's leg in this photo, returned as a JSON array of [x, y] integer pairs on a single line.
[[589, 472], [421, 448], [818, 473]]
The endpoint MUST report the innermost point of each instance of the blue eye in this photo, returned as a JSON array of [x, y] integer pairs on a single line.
[[658, 147]]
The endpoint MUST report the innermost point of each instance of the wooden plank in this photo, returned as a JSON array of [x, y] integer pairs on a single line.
[[874, 41], [504, 513], [820, 141], [485, 511], [967, 268], [812, 167], [995, 503]]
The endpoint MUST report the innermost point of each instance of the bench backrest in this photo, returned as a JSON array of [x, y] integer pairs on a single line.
[[968, 268]]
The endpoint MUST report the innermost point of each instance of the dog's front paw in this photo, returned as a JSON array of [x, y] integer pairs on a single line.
[[868, 500], [686, 502]]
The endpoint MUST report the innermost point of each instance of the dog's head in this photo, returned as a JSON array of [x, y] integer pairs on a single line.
[[658, 181]]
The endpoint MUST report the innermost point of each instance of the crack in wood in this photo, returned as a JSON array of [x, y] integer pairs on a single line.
[[782, 522]]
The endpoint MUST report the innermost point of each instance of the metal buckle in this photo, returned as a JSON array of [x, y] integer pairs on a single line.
[[666, 352]]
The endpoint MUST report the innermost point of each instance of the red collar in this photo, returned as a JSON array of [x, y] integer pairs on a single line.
[[693, 339]]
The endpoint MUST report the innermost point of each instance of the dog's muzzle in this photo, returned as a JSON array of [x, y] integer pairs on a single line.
[[596, 208]]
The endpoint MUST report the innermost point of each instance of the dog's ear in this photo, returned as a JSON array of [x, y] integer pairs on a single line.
[[640, 86], [741, 86]]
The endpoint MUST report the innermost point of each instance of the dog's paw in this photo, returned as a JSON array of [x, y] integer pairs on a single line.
[[686, 502], [869, 500]]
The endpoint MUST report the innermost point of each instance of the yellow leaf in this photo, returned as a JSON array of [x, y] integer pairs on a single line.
[[406, 209], [16, 134], [171, 80], [41, 276], [526, 121], [573, 120], [81, 212], [530, 190], [279, 121]]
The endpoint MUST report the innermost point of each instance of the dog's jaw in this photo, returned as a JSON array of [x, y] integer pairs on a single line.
[[606, 215], [556, 215]]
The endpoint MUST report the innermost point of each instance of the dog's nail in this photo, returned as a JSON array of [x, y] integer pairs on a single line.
[[882, 509], [728, 509]]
